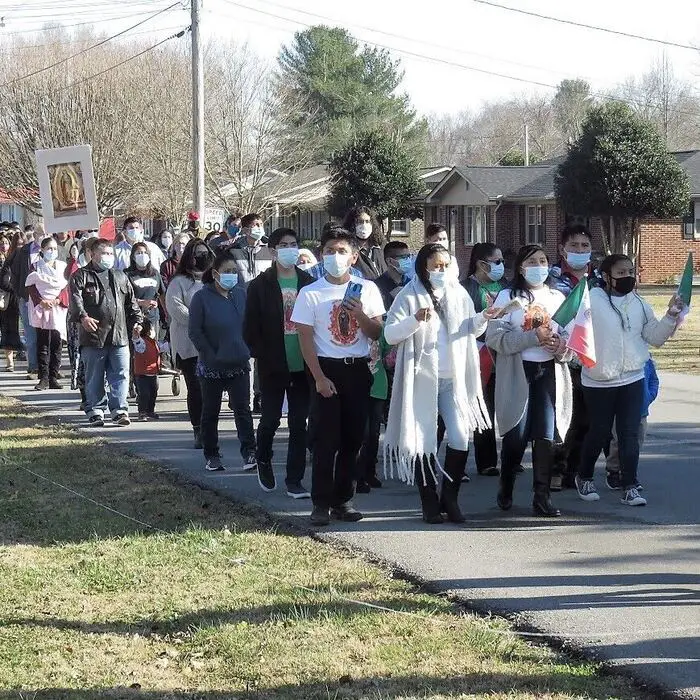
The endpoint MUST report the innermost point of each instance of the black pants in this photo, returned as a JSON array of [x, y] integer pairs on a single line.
[[194, 389], [238, 389], [48, 353], [147, 393], [339, 428], [272, 394], [485, 450], [367, 464]]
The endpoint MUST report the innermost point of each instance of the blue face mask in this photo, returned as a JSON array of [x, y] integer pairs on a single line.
[[287, 257], [577, 261], [233, 230], [496, 271], [438, 278], [407, 267], [228, 280], [535, 276]]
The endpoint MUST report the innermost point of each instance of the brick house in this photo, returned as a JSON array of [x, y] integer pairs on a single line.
[[515, 205]]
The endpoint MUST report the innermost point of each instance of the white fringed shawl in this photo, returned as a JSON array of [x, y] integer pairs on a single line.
[[411, 430]]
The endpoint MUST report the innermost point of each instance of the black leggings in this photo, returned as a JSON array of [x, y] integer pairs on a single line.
[[194, 389]]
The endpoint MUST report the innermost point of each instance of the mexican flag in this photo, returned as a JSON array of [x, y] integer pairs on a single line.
[[685, 288], [574, 316]]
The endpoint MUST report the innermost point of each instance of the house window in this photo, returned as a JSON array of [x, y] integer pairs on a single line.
[[474, 225], [400, 227], [534, 228]]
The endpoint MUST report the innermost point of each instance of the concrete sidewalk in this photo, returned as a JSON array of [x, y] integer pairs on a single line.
[[623, 583]]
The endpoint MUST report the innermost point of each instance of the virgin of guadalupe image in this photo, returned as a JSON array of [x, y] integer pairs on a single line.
[[68, 193]]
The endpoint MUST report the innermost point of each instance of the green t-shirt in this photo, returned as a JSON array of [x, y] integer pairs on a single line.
[[489, 292], [295, 360], [378, 351]]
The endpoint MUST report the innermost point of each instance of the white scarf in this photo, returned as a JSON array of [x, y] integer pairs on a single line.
[[411, 430]]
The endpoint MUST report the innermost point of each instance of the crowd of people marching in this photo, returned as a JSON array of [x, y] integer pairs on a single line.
[[349, 337]]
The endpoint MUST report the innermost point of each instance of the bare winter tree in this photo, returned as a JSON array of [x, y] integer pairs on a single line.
[[248, 147], [452, 139], [668, 102]]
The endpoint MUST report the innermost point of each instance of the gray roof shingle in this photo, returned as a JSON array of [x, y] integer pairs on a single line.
[[511, 181], [690, 162]]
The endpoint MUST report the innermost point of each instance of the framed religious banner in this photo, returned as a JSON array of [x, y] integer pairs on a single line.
[[67, 189]]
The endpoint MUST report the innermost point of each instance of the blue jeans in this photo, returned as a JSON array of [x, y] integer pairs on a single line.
[[112, 363], [538, 420], [457, 436], [623, 405], [29, 337]]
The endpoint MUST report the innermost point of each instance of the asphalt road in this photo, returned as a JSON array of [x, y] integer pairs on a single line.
[[622, 583]]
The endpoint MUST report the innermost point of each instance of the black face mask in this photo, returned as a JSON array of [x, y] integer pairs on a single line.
[[624, 285], [201, 261]]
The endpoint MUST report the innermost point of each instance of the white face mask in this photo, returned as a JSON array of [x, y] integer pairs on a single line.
[[134, 235], [336, 264], [142, 259], [438, 278], [257, 233], [166, 241], [364, 230]]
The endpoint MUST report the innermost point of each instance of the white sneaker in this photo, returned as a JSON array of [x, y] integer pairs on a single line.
[[586, 489], [632, 498]]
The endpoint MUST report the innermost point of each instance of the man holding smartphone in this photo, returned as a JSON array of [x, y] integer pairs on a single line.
[[336, 318]]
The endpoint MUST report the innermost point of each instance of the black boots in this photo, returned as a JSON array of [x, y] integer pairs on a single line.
[[506, 483], [541, 476], [427, 489], [455, 464]]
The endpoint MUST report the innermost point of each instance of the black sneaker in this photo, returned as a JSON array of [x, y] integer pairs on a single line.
[[96, 421], [266, 476], [43, 385], [214, 464], [250, 463], [122, 419], [320, 516], [362, 487], [142, 417], [153, 416], [55, 384], [347, 513], [297, 491], [374, 482], [613, 481]]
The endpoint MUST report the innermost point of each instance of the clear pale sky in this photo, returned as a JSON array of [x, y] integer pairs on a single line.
[[458, 31], [461, 29]]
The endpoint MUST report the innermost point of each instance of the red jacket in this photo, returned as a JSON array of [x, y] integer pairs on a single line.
[[146, 357]]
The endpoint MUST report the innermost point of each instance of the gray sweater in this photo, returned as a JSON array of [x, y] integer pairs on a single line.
[[177, 303], [512, 389]]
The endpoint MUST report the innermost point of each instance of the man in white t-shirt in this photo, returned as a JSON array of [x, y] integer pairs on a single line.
[[133, 232], [334, 334]]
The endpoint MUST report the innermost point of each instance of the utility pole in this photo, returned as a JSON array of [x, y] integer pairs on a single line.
[[527, 145], [198, 196]]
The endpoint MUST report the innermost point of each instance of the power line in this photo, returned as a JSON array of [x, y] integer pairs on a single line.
[[454, 64], [76, 41], [607, 30], [179, 34], [58, 26], [89, 48], [416, 40]]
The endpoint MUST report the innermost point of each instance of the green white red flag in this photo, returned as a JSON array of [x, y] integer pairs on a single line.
[[574, 316]]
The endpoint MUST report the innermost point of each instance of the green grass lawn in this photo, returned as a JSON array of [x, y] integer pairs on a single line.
[[211, 606], [682, 352]]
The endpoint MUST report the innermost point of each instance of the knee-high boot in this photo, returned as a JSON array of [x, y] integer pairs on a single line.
[[506, 482], [427, 490], [541, 475], [455, 464]]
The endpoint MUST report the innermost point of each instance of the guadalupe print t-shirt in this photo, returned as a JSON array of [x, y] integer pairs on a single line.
[[336, 333], [532, 315], [295, 361]]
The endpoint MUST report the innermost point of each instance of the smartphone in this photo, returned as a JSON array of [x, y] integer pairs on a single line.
[[354, 291]]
